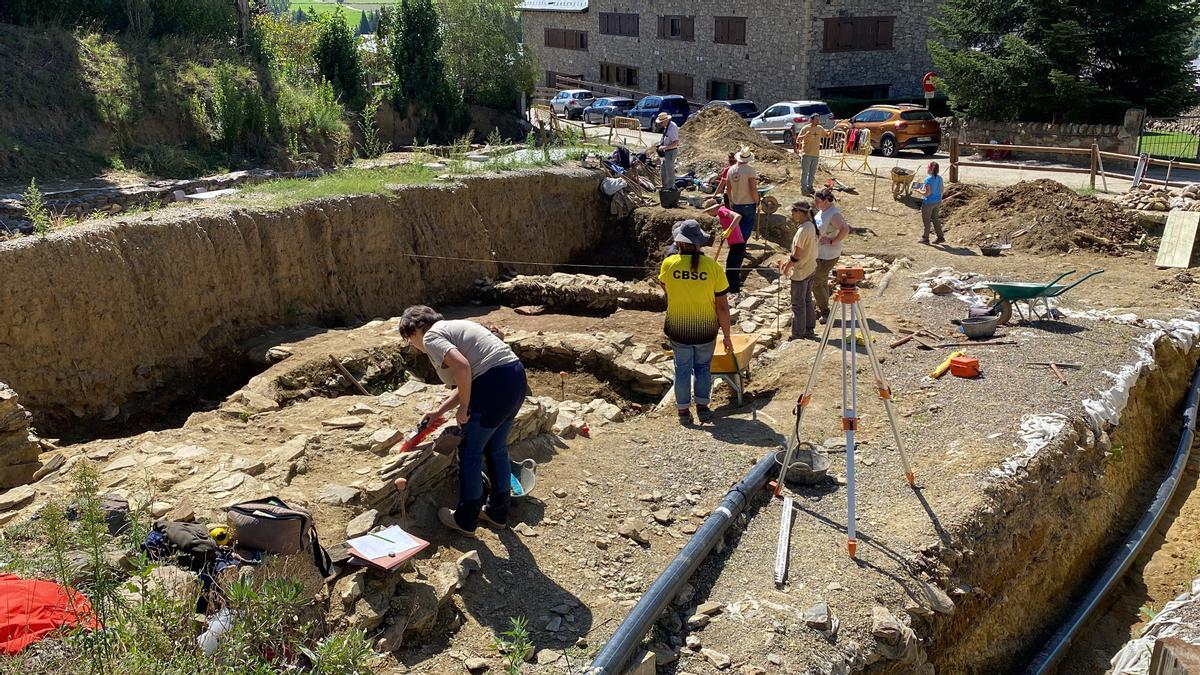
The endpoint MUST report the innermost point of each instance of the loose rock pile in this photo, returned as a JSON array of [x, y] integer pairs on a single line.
[[615, 355], [580, 292], [1157, 198]]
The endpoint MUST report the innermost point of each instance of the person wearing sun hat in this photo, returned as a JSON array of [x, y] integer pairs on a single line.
[[743, 200], [697, 310], [668, 148]]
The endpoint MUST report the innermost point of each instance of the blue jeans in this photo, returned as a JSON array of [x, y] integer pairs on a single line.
[[479, 443], [749, 213], [808, 171], [693, 360]]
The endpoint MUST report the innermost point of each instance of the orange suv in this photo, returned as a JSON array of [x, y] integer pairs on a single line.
[[898, 127]]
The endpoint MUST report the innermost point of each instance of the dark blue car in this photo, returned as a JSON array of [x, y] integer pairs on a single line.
[[604, 109], [648, 108]]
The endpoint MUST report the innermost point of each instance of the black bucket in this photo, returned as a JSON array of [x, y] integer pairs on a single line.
[[669, 198]]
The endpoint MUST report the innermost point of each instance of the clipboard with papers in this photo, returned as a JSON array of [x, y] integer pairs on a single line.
[[386, 549]]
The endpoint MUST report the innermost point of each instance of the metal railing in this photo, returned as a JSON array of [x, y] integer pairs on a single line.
[[1169, 138]]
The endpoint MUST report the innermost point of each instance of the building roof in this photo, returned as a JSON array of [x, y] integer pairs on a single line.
[[553, 5]]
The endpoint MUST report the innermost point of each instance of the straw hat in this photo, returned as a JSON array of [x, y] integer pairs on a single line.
[[663, 117], [744, 155]]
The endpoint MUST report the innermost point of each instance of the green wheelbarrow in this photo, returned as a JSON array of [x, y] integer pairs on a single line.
[[1009, 293]]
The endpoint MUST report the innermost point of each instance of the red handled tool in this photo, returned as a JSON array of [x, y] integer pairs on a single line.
[[424, 428]]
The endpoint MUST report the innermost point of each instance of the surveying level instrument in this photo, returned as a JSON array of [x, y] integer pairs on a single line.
[[846, 299]]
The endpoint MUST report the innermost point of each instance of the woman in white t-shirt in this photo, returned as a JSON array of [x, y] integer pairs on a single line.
[[490, 387]]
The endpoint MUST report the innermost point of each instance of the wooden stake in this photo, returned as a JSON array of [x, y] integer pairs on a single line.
[[350, 377]]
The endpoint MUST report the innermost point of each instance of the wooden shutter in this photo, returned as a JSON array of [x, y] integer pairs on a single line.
[[606, 23], [662, 81], [630, 25], [864, 34], [737, 31], [720, 29], [830, 41], [688, 87], [689, 28], [581, 40], [845, 34], [662, 26], [884, 30]]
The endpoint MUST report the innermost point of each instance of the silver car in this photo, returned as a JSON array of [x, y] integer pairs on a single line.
[[779, 122], [571, 102]]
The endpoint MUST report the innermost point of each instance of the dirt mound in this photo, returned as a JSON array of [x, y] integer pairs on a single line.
[[1057, 219], [713, 133]]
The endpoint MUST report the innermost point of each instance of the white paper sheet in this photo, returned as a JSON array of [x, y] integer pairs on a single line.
[[390, 541]]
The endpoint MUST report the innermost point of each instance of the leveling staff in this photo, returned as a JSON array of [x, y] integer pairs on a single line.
[[696, 308]]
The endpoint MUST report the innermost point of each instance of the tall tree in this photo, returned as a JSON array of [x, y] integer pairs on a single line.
[[336, 55], [364, 26], [1076, 60], [482, 48]]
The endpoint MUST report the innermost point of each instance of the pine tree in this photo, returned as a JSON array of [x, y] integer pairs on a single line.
[[414, 43], [1083, 61], [300, 17], [364, 26]]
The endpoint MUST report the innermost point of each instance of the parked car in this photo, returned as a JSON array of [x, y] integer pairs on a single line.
[[602, 110], [743, 107], [649, 107], [778, 123], [571, 102], [898, 127]]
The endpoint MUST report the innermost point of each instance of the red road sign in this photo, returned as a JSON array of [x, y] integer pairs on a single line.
[[927, 82]]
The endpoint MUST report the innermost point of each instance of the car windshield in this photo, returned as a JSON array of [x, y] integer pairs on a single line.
[[600, 102], [583, 94], [624, 105], [813, 109], [744, 108], [675, 105], [916, 115]]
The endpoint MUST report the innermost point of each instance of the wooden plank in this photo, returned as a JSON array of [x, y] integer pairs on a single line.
[[1179, 236], [1024, 167], [1172, 656], [1029, 148]]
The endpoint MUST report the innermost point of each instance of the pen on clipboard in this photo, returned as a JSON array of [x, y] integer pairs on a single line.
[[390, 555]]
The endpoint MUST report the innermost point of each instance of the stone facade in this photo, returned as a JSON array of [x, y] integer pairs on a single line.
[[783, 58], [1119, 138]]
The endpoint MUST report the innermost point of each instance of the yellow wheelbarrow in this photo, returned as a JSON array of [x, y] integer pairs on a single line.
[[735, 368]]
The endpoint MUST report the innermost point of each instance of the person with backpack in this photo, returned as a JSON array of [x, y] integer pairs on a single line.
[[697, 310], [490, 386]]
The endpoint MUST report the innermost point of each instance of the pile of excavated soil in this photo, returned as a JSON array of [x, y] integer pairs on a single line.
[[1057, 219], [711, 134]]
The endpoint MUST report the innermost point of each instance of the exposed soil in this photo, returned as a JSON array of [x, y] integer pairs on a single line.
[[576, 386], [709, 136], [1056, 217]]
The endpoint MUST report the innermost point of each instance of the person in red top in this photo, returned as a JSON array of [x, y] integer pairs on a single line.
[[723, 181]]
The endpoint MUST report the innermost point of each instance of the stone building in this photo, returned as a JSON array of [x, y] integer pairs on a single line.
[[765, 50]]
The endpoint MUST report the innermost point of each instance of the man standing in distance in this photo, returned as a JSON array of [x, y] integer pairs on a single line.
[[808, 143], [668, 148]]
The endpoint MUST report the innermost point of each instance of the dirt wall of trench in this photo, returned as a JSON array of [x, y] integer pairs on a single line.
[[127, 310], [1019, 565]]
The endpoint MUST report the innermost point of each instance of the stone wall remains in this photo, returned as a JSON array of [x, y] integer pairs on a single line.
[[101, 316], [1119, 138], [18, 449], [781, 60]]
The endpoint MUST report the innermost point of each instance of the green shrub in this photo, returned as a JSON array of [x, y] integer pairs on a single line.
[[310, 113], [336, 56], [203, 19], [111, 78], [283, 45], [35, 209]]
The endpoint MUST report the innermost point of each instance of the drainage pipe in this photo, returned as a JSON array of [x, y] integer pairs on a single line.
[[1056, 646], [621, 646]]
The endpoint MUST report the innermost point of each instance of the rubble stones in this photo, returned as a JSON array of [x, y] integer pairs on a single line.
[[711, 608], [817, 616], [361, 524], [337, 494], [580, 292], [720, 661], [632, 529]]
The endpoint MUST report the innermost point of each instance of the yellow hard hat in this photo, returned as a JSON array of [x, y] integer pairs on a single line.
[[222, 534]]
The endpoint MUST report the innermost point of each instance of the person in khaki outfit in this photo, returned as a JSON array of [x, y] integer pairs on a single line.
[[801, 267], [808, 143]]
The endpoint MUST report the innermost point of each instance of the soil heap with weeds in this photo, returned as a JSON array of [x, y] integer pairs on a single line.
[[711, 134], [1057, 219]]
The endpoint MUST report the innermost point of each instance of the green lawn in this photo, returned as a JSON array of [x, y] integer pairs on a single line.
[[322, 7], [1170, 145]]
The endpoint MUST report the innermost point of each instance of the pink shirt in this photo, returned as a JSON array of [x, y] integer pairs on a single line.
[[725, 217]]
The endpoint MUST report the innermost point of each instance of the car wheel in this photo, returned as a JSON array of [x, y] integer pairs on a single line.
[[607, 121], [929, 151], [887, 146]]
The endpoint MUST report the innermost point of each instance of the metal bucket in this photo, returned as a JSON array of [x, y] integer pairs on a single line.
[[980, 327], [524, 477], [669, 198], [808, 467]]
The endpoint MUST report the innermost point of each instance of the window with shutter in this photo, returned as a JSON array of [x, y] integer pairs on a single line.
[[662, 26], [858, 33], [730, 30], [689, 28]]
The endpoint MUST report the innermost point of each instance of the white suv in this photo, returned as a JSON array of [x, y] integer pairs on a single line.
[[779, 121], [571, 102]]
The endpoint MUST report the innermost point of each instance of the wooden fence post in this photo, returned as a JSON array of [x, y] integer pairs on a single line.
[[1092, 170], [953, 159]]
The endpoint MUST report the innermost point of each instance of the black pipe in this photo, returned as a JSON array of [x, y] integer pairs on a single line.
[[624, 642], [1056, 646]]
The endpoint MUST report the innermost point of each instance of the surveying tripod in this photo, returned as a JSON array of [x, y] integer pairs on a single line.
[[846, 299]]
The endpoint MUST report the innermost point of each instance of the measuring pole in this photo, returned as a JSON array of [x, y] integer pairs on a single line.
[[849, 391], [784, 541]]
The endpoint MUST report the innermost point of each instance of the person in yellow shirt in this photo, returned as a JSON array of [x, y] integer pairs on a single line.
[[808, 143], [697, 309]]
